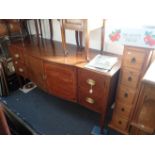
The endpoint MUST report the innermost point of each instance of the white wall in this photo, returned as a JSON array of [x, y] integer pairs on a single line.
[[95, 36]]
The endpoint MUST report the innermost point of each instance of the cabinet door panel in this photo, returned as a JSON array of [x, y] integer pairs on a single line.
[[35, 71], [61, 80]]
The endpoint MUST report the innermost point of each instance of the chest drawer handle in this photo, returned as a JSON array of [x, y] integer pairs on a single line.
[[120, 122], [21, 70], [90, 100], [125, 94], [16, 55], [129, 78], [133, 60], [122, 109]]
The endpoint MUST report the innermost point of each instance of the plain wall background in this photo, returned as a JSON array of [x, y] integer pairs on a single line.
[[95, 36]]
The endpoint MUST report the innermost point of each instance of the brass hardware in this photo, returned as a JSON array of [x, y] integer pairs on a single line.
[[16, 62], [90, 100], [92, 83], [16, 55], [21, 70], [133, 60]]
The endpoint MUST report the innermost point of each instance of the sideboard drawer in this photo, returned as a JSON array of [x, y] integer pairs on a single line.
[[91, 88], [129, 77]]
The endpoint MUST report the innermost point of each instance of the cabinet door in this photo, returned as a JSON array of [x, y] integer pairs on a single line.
[[35, 71], [61, 80]]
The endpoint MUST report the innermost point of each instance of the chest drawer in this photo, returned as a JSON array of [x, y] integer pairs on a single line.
[[119, 122], [129, 77], [91, 88], [134, 59], [125, 94], [123, 110]]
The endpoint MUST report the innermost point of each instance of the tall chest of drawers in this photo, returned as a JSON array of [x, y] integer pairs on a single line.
[[134, 64]]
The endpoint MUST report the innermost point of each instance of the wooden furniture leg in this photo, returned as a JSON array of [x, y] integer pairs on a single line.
[[63, 39], [40, 27], [80, 36], [51, 29], [4, 128], [102, 35], [77, 38], [87, 55], [37, 30]]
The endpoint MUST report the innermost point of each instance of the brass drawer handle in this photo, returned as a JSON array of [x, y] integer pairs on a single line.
[[129, 78], [133, 60], [16, 55], [90, 100], [125, 94], [92, 83], [16, 62], [21, 70]]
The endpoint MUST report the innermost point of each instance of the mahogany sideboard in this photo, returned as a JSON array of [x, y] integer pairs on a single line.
[[65, 76]]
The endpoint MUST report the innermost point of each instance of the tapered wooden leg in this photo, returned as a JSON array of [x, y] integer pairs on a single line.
[[63, 36], [77, 38], [87, 53], [81, 39], [102, 35]]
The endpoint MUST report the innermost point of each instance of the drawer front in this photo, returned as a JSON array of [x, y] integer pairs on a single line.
[[129, 77], [119, 122], [21, 70], [61, 80], [134, 59], [91, 101], [125, 94], [92, 86], [16, 53], [123, 110]]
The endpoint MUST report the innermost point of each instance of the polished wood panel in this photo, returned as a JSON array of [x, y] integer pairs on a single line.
[[143, 121], [36, 71], [61, 80]]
